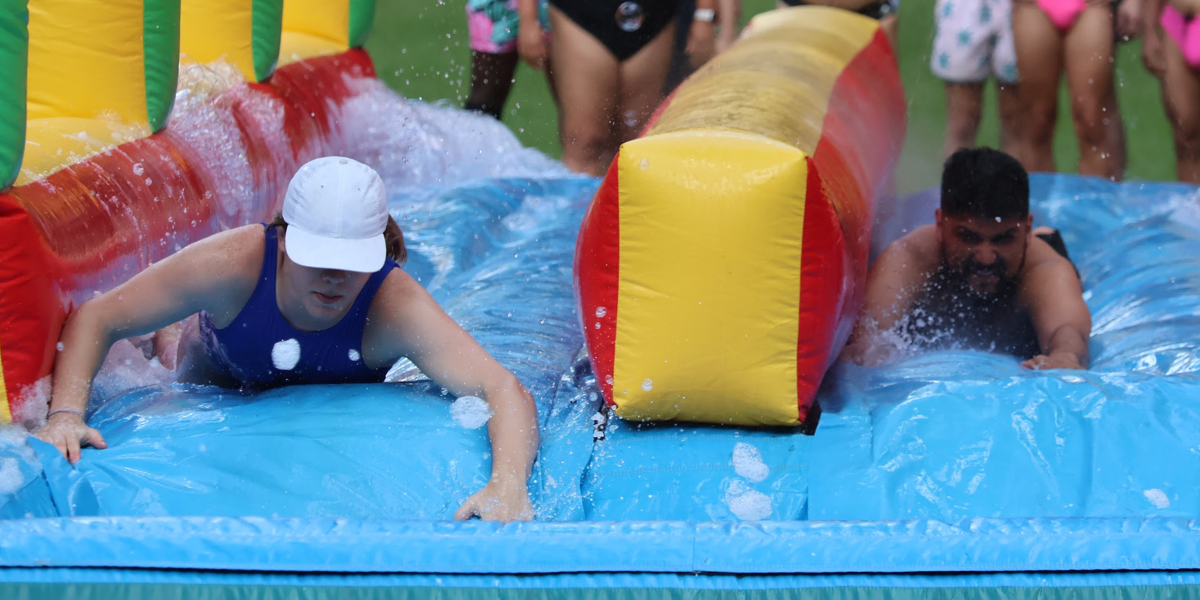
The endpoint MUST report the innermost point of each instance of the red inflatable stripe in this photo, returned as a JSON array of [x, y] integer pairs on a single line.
[[597, 267]]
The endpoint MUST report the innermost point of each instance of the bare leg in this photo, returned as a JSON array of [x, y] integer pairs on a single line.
[[964, 109], [643, 76], [491, 80], [1039, 62], [1181, 97], [587, 78], [1008, 97], [1088, 48]]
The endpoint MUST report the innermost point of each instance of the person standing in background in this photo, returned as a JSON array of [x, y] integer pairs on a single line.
[[494, 28], [728, 18], [974, 42], [611, 59], [1076, 38], [1171, 51], [887, 12]]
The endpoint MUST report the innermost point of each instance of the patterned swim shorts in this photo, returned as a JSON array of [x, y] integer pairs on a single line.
[[492, 24], [974, 41]]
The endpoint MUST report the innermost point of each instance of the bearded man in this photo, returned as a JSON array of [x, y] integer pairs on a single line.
[[979, 278]]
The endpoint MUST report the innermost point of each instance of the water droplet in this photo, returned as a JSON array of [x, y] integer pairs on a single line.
[[600, 312], [647, 385], [630, 16]]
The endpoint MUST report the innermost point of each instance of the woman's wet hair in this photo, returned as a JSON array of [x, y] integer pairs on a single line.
[[987, 183], [393, 238]]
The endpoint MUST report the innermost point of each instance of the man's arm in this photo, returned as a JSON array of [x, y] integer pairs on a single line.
[[1063, 322], [892, 287]]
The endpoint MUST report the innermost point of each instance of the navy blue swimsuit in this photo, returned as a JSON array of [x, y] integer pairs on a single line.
[[261, 349]]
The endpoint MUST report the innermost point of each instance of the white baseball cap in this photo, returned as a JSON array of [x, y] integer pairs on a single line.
[[336, 211]]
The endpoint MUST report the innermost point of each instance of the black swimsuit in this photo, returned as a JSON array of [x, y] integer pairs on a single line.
[[875, 10], [623, 26]]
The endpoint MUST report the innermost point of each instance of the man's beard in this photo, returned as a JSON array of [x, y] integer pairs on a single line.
[[960, 276]]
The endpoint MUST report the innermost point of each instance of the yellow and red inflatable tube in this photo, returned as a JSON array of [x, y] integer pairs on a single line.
[[722, 262]]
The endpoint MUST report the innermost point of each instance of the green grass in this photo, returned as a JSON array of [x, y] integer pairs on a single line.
[[420, 50]]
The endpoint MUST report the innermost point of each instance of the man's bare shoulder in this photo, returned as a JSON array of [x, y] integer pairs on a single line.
[[917, 251], [1044, 264], [1043, 260]]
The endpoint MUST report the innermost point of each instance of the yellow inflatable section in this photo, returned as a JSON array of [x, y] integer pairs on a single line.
[[90, 93], [243, 32], [322, 27]]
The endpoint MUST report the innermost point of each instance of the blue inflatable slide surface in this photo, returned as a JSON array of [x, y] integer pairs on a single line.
[[947, 469]]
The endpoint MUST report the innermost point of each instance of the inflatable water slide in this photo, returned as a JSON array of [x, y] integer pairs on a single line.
[[678, 323]]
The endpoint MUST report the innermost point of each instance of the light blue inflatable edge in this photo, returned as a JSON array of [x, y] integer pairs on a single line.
[[815, 547]]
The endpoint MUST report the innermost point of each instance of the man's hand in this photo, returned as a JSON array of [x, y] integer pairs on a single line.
[[69, 433], [498, 501], [1057, 360]]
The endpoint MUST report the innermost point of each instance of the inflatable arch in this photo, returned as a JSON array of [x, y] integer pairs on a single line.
[[722, 263], [101, 187]]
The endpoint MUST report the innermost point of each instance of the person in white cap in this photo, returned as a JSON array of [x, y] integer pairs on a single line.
[[314, 297]]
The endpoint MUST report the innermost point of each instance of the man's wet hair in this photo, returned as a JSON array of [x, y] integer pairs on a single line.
[[987, 183]]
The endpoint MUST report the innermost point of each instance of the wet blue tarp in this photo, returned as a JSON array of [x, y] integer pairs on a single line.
[[951, 461]]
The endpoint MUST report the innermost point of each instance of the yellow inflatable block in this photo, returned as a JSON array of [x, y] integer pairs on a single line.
[[244, 32], [322, 27], [114, 62], [710, 256], [52, 144]]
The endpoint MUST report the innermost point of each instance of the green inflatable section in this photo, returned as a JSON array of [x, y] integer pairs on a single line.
[[14, 61], [267, 26], [362, 15], [160, 23]]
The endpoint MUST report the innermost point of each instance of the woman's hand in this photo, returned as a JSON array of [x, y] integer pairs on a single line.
[[1152, 52], [69, 433], [531, 44], [498, 501], [1189, 8], [1129, 20]]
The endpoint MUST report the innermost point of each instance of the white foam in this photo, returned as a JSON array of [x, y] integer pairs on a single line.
[[33, 404], [748, 463], [11, 478], [470, 412], [1157, 497], [126, 367], [413, 143], [747, 503], [14, 444], [285, 354]]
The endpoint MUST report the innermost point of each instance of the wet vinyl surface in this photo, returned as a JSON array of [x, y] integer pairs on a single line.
[[946, 435]]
